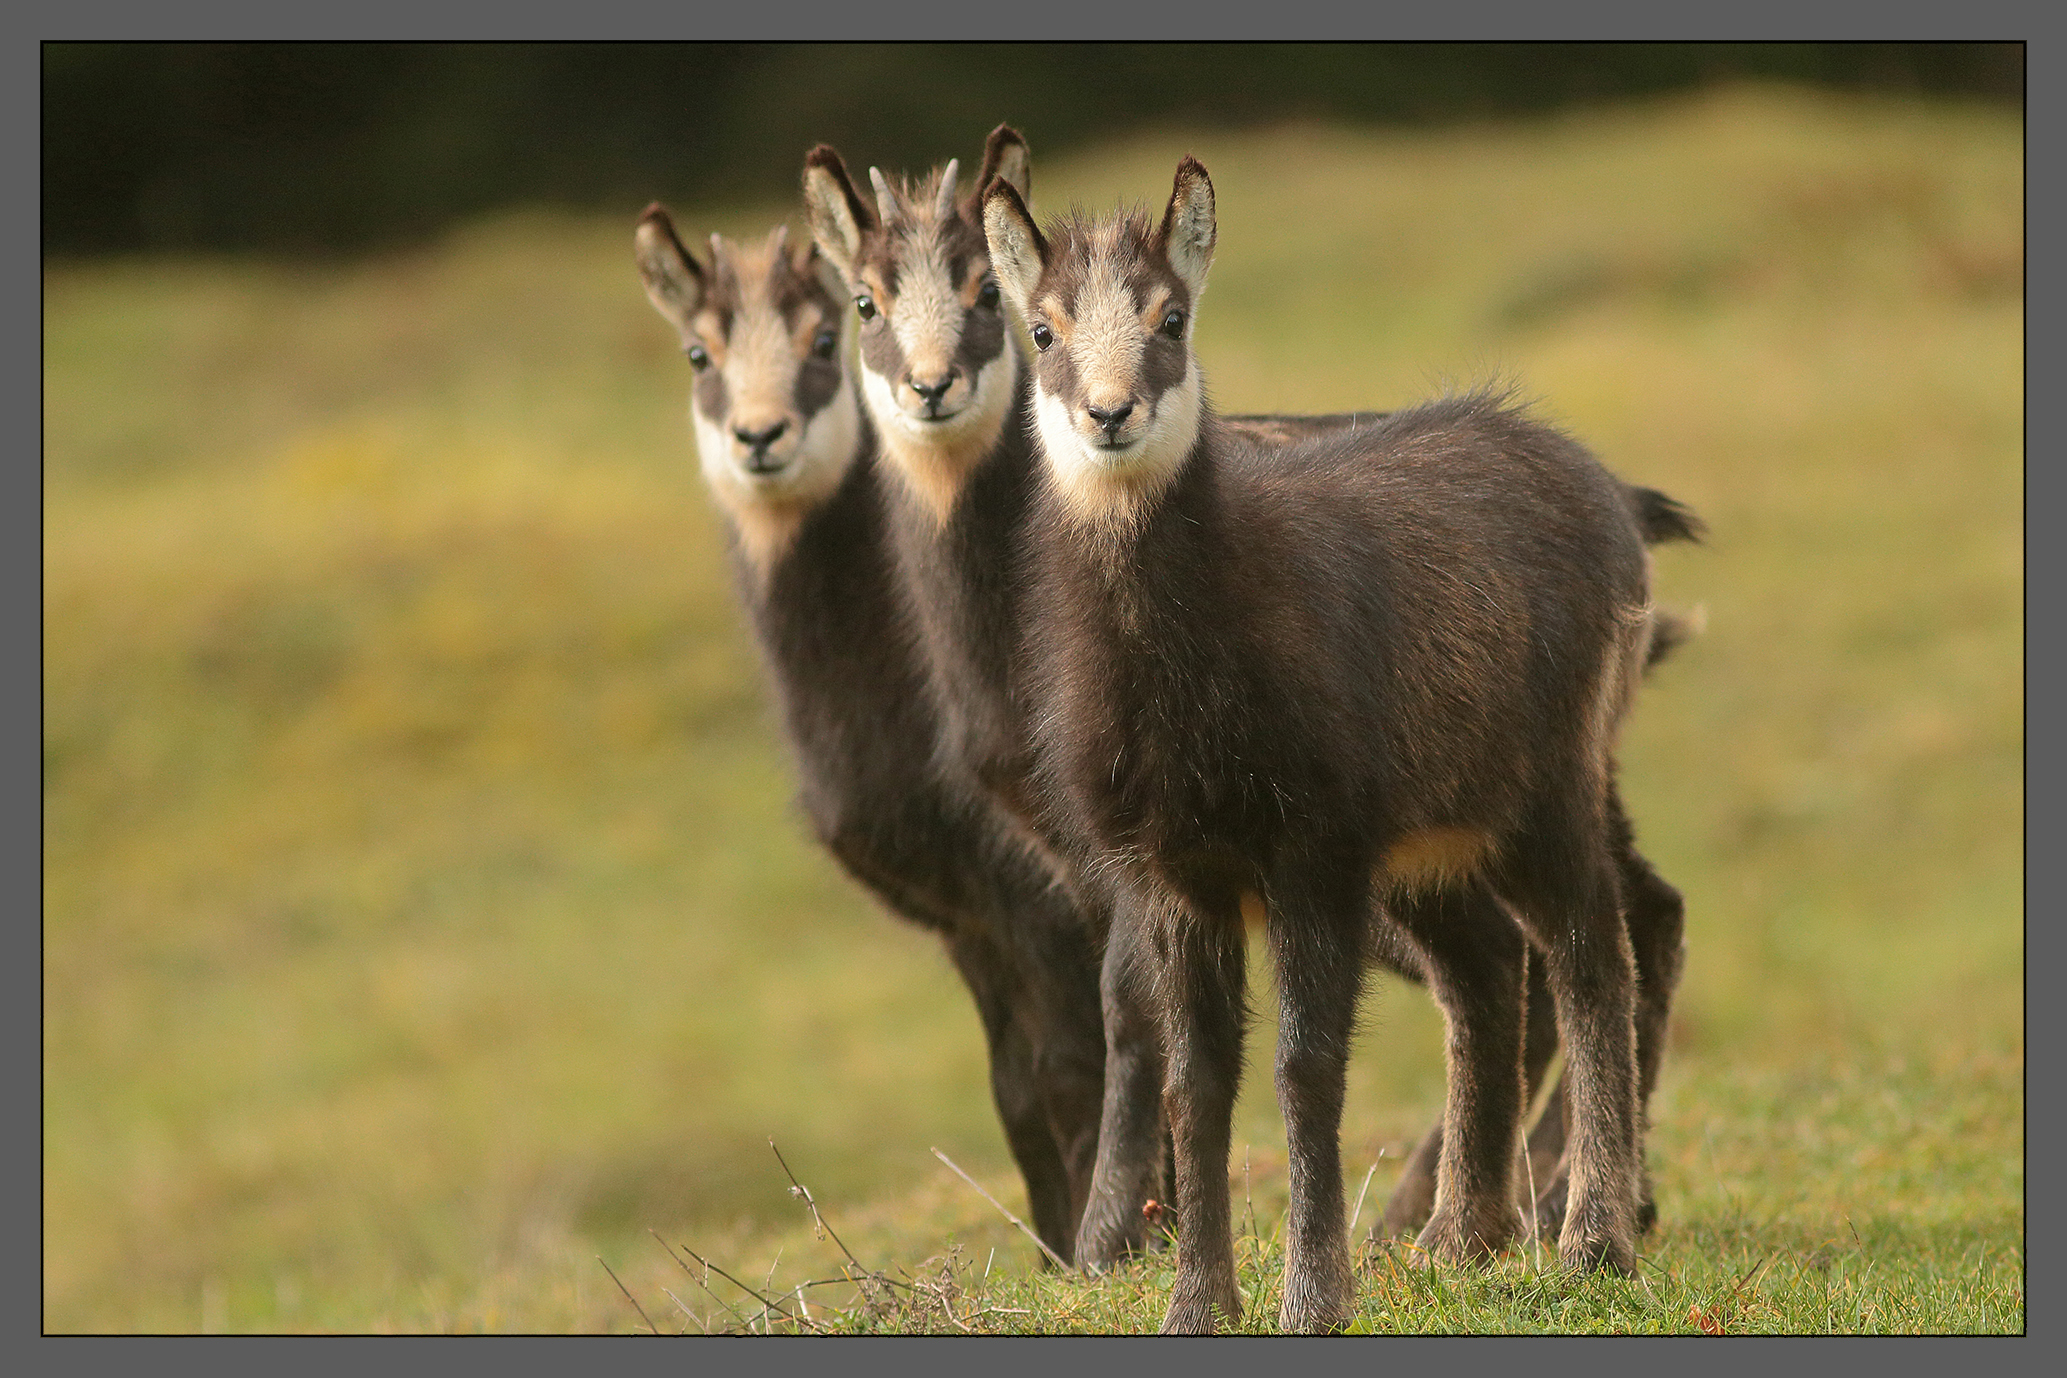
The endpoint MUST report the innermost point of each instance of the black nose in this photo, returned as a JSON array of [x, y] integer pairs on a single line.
[[760, 440], [1111, 418], [933, 392]]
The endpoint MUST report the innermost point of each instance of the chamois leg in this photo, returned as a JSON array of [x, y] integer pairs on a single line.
[[1413, 1197], [1059, 973], [1131, 1134], [1656, 917], [1201, 1004], [1315, 945], [1477, 962], [1015, 1086], [1565, 885]]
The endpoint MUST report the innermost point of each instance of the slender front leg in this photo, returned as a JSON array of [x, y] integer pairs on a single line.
[[1131, 1135], [1200, 999], [1319, 982], [1015, 1085], [1058, 973]]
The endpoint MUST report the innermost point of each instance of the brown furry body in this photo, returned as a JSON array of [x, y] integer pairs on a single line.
[[1390, 664]]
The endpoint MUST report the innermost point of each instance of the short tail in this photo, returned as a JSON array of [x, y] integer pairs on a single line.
[[1672, 630], [1663, 519]]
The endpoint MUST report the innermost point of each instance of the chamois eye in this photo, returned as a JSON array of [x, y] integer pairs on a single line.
[[866, 305], [1173, 325], [699, 357], [825, 344], [987, 295], [1042, 337]]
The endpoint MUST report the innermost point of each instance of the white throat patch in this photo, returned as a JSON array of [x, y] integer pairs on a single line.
[[1114, 486], [766, 509], [935, 458]]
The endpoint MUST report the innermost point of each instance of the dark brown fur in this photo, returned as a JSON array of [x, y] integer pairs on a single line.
[[1273, 671], [963, 603], [859, 722]]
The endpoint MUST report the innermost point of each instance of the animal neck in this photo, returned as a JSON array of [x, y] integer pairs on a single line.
[[1122, 531]]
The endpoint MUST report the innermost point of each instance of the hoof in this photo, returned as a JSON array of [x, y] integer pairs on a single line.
[[1597, 1255], [1450, 1240], [1320, 1294], [1200, 1316], [1105, 1244], [1310, 1315]]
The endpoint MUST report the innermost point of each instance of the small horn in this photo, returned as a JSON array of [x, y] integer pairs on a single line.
[[779, 240], [944, 208], [886, 199]]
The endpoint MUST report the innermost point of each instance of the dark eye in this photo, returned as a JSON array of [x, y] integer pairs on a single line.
[[699, 357], [1173, 325], [866, 305], [987, 295], [1042, 337], [825, 344]]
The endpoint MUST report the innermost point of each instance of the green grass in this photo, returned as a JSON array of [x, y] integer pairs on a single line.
[[425, 915]]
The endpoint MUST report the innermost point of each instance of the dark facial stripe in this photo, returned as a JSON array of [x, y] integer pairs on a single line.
[[712, 397], [817, 381]]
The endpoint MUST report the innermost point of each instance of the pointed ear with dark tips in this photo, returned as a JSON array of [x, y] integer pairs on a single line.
[[675, 282], [1005, 155], [1018, 253], [1188, 231], [839, 217]]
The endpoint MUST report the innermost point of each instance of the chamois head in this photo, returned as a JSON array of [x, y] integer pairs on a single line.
[[764, 327], [1109, 304], [937, 367]]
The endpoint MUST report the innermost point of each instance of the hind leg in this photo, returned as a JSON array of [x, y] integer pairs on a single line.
[[1413, 1197], [1656, 917], [1477, 965], [1562, 880]]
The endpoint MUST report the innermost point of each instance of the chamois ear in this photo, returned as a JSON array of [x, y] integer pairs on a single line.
[[675, 283], [1188, 234], [812, 263], [1018, 254], [1005, 156], [839, 217]]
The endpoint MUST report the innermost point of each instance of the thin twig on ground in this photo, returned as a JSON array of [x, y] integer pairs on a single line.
[[798, 1189], [1038, 1241], [629, 1297], [703, 1282], [1358, 1212], [683, 1307]]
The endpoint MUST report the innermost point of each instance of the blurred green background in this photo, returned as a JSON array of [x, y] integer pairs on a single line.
[[424, 913]]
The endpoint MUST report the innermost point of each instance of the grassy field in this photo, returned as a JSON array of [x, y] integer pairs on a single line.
[[425, 917]]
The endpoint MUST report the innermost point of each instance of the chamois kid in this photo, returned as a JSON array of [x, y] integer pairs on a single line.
[[1388, 665], [789, 458], [942, 379]]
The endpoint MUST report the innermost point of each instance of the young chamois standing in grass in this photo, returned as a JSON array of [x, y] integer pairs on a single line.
[[1387, 665], [789, 457], [942, 380]]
